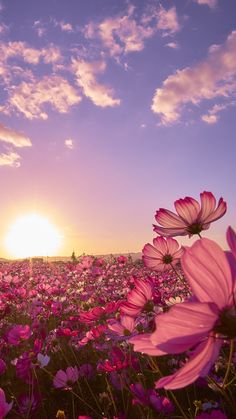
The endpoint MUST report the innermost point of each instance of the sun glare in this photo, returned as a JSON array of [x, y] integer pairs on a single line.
[[32, 235]]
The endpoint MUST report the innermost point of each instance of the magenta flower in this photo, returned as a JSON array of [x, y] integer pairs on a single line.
[[124, 327], [4, 406], [164, 253], [18, 333], [66, 378], [138, 298], [191, 218], [198, 324]]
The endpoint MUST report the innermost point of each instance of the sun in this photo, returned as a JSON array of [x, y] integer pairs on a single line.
[[32, 235]]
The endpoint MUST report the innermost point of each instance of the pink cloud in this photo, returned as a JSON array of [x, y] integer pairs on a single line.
[[15, 138], [167, 21], [210, 3], [211, 78], [85, 73], [69, 143], [29, 55], [213, 114], [10, 159], [64, 26], [29, 98], [123, 34]]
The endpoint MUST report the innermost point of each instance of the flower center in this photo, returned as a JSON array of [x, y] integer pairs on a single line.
[[167, 259], [227, 324], [195, 228]]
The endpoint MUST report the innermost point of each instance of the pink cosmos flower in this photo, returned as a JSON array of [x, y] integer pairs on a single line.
[[4, 406], [198, 323], [138, 298], [164, 253], [191, 218], [66, 378], [18, 333], [124, 327]]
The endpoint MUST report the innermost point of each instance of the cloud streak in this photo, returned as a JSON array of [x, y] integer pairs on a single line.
[[123, 34], [85, 73], [10, 159], [30, 98], [207, 80], [14, 138]]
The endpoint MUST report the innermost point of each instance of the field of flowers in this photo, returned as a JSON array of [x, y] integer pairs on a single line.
[[113, 338]]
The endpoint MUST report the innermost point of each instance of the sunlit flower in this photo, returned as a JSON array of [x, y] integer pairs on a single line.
[[192, 218], [18, 333], [198, 323], [164, 253], [139, 298]]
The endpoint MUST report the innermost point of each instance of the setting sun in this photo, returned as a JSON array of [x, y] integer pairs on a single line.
[[32, 235]]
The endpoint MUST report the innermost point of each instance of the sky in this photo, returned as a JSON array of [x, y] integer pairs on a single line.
[[112, 109]]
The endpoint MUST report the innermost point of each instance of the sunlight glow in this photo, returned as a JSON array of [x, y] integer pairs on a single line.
[[32, 235]]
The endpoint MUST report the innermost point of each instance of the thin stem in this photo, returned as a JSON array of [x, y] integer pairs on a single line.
[[178, 275], [231, 352]]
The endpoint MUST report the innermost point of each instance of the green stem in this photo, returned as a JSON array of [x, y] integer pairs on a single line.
[[231, 352]]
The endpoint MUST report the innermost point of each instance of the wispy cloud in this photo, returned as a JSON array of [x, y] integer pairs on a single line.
[[85, 73], [29, 98], [39, 28], [172, 45], [214, 77], [210, 3], [213, 114], [124, 33], [167, 21], [12, 137], [69, 143], [64, 26], [28, 54], [10, 159]]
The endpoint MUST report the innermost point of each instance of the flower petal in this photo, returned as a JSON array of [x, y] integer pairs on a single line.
[[231, 239], [166, 232], [169, 219], [188, 209], [218, 213], [183, 326], [142, 343], [208, 204], [208, 272], [198, 365]]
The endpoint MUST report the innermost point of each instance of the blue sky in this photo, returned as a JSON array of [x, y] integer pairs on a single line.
[[111, 110]]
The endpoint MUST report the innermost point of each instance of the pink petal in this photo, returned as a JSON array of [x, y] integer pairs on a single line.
[[137, 298], [198, 365], [207, 270], [130, 309], [166, 232], [172, 245], [127, 322], [183, 326], [144, 287], [188, 209], [231, 239], [115, 326], [169, 219], [208, 204], [218, 213], [142, 343], [161, 245]]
